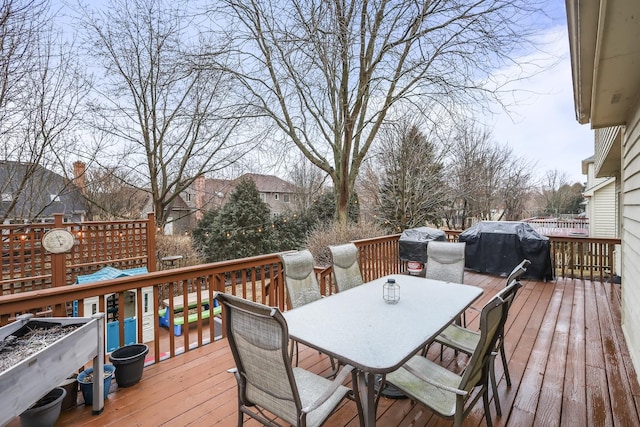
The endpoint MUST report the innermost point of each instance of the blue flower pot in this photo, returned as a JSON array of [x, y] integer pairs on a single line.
[[86, 384]]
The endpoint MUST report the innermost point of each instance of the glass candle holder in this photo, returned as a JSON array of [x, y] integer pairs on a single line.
[[391, 291]]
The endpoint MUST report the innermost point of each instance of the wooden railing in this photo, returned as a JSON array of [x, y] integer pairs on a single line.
[[257, 279], [583, 257], [26, 266]]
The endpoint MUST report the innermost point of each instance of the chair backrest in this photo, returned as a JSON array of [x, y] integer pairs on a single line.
[[258, 338], [299, 278], [491, 324], [518, 271], [445, 261], [346, 271], [508, 293]]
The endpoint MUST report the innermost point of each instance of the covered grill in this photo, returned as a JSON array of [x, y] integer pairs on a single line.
[[497, 246], [413, 246]]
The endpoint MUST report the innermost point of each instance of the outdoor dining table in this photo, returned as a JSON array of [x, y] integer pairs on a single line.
[[359, 328]]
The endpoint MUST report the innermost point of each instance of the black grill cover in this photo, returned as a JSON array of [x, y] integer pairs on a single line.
[[413, 243], [496, 247]]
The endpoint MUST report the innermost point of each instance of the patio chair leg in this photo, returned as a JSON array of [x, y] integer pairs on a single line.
[[487, 410], [494, 386], [504, 364], [240, 414], [293, 348]]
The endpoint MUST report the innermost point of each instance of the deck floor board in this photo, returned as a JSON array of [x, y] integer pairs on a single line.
[[567, 357]]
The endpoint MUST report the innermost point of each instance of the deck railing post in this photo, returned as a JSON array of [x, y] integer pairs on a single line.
[[151, 242]]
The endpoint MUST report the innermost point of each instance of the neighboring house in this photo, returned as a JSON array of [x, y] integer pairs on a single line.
[[29, 192], [605, 59], [601, 202], [206, 194]]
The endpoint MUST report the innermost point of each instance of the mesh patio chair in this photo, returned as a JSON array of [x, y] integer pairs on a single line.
[[258, 337], [346, 271], [302, 287], [518, 271], [515, 274], [465, 340], [448, 394], [445, 261], [299, 278]]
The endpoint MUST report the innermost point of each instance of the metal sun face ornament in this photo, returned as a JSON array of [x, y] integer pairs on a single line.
[[391, 291]]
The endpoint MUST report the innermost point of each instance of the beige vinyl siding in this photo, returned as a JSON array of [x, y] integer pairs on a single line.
[[604, 141], [631, 235], [604, 223]]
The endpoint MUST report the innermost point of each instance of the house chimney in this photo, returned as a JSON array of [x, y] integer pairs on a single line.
[[79, 177]]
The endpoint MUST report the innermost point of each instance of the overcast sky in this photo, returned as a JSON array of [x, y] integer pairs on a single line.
[[543, 126]]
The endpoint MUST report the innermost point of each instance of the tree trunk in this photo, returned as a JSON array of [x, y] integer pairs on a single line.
[[342, 202]]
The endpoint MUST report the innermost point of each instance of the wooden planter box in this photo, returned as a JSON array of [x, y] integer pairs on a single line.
[[27, 381]]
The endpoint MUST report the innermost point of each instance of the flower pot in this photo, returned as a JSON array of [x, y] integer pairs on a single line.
[[45, 412], [85, 379], [70, 385], [129, 361]]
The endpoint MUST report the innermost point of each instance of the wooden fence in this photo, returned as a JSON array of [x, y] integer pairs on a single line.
[[26, 266]]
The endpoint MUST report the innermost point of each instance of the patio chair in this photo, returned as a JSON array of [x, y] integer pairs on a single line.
[[445, 261], [302, 287], [518, 271], [258, 338], [346, 271], [299, 278], [465, 340], [446, 393]]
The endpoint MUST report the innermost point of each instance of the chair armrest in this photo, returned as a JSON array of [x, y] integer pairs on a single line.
[[337, 382], [428, 380], [474, 309]]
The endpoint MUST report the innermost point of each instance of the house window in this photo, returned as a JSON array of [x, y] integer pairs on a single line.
[[188, 197], [276, 196], [285, 198], [263, 197], [54, 197]]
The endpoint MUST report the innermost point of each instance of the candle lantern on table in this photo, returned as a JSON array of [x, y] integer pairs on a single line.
[[391, 291]]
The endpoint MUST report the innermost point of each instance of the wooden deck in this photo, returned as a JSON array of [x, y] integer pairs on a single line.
[[568, 361]]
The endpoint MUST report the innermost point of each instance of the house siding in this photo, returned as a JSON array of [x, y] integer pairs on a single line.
[[631, 235], [604, 141], [604, 220]]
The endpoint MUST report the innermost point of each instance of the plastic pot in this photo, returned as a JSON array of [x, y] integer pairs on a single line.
[[86, 383], [129, 363], [45, 412], [70, 385]]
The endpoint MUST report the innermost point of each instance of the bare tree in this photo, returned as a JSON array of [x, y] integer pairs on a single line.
[[309, 182], [475, 172], [171, 118], [517, 182], [328, 73], [558, 195], [41, 90], [411, 178], [110, 196]]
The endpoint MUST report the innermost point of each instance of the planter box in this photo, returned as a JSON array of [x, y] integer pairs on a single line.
[[27, 381]]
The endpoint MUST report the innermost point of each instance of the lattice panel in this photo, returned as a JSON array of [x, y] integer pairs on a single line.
[[25, 265]]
